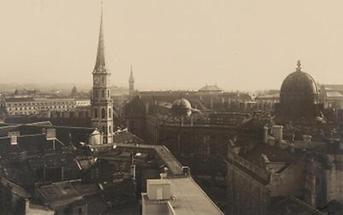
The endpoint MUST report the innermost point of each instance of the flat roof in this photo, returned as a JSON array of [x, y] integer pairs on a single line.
[[163, 153], [190, 198]]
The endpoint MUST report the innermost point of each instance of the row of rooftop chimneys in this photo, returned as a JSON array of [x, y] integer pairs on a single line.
[[50, 134]]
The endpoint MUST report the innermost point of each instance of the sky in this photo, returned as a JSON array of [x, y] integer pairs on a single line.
[[172, 44]]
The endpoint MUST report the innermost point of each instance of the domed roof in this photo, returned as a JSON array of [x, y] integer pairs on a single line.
[[181, 107], [298, 85]]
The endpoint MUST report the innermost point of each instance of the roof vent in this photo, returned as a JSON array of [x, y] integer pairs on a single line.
[[50, 134], [13, 135], [158, 189]]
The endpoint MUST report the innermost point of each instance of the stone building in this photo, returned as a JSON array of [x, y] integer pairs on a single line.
[[306, 170]]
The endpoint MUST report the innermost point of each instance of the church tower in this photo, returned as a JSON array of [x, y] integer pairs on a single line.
[[102, 105], [131, 83]]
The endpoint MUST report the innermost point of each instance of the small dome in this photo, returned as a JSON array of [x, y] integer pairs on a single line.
[[181, 107]]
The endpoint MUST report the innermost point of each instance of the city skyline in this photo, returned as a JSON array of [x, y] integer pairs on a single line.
[[171, 45]]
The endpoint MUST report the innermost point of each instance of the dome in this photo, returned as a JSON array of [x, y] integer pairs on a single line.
[[299, 87], [181, 107], [299, 98]]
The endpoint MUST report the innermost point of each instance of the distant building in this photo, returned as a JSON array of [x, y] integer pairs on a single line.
[[35, 106], [211, 89], [267, 102], [332, 96]]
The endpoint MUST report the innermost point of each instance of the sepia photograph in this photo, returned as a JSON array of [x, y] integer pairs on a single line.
[[171, 107]]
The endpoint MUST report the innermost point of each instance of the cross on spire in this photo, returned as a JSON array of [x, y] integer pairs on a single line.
[[298, 66]]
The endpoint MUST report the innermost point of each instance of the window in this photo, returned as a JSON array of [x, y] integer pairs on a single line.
[[110, 129], [109, 113], [95, 113], [103, 94], [103, 113]]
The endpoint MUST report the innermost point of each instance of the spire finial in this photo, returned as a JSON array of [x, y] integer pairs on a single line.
[[298, 66], [100, 59], [131, 73], [101, 4]]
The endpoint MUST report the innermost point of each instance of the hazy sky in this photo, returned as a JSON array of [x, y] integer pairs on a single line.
[[236, 44]]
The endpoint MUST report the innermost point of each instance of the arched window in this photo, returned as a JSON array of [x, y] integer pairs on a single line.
[[109, 113], [103, 113], [95, 113]]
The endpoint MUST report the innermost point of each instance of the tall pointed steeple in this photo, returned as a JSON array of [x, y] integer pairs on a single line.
[[102, 104], [131, 82], [131, 79], [100, 58]]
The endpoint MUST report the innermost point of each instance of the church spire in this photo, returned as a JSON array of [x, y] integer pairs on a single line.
[[131, 79], [131, 83], [100, 58]]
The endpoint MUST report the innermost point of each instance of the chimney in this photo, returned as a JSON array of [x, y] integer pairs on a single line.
[[307, 139], [265, 134], [158, 189], [13, 135], [50, 134], [277, 132]]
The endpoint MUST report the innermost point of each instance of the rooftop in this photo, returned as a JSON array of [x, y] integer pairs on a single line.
[[190, 198], [62, 193]]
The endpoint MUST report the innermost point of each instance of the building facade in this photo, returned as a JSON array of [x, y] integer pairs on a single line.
[[34, 106]]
